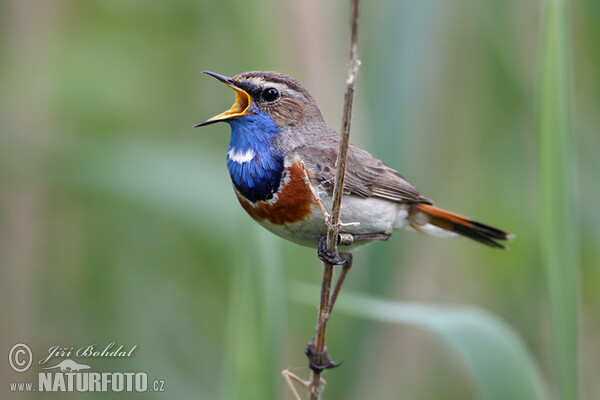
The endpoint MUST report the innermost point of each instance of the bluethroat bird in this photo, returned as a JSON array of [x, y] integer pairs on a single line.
[[278, 135], [279, 143]]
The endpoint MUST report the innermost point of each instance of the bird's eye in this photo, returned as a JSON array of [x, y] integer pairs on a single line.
[[270, 94]]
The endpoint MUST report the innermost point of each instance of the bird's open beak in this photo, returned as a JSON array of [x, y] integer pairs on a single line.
[[243, 101]]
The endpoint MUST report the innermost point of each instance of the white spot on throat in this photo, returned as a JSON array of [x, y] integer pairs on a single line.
[[241, 157]]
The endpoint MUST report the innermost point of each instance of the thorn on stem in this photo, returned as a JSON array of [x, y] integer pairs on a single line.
[[319, 361]]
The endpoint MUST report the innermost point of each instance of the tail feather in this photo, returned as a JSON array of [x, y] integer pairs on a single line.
[[457, 223]]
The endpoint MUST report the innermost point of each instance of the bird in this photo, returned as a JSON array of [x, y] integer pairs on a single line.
[[282, 163], [279, 138]]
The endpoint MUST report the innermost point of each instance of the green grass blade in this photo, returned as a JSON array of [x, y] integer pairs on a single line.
[[492, 354], [256, 317], [557, 220]]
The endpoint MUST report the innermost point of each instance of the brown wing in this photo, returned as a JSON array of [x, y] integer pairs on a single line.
[[366, 176]]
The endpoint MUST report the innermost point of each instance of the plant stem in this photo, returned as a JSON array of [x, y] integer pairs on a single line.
[[558, 223], [316, 384]]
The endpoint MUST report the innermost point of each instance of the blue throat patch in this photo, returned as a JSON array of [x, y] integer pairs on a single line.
[[254, 164]]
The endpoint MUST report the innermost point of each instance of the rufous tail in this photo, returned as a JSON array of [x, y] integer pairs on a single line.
[[458, 224]]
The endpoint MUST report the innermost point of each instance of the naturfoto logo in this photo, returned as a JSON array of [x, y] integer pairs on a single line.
[[68, 375]]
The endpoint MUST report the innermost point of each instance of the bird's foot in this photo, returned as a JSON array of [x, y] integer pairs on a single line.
[[318, 360], [329, 257]]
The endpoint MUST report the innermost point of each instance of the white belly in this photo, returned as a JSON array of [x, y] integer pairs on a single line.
[[373, 215]]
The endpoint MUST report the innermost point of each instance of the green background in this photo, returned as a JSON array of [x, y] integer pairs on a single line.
[[118, 222]]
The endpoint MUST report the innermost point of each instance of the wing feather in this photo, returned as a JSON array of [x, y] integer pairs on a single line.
[[366, 176]]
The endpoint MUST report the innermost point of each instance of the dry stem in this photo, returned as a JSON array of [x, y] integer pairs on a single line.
[[315, 196], [316, 383], [289, 377]]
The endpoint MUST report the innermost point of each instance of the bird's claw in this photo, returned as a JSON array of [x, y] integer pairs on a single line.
[[332, 258]]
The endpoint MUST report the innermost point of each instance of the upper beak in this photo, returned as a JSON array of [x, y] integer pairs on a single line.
[[243, 101]]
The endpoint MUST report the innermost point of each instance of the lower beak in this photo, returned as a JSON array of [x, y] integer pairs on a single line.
[[243, 101]]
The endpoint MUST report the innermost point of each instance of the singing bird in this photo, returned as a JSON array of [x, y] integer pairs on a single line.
[[279, 138]]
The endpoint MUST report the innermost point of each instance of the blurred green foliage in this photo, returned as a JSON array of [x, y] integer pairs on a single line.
[[559, 235], [118, 223]]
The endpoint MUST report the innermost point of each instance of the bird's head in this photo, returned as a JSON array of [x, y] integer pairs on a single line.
[[271, 94]]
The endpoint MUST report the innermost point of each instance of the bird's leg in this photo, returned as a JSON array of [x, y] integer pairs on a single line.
[[370, 236], [332, 258]]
